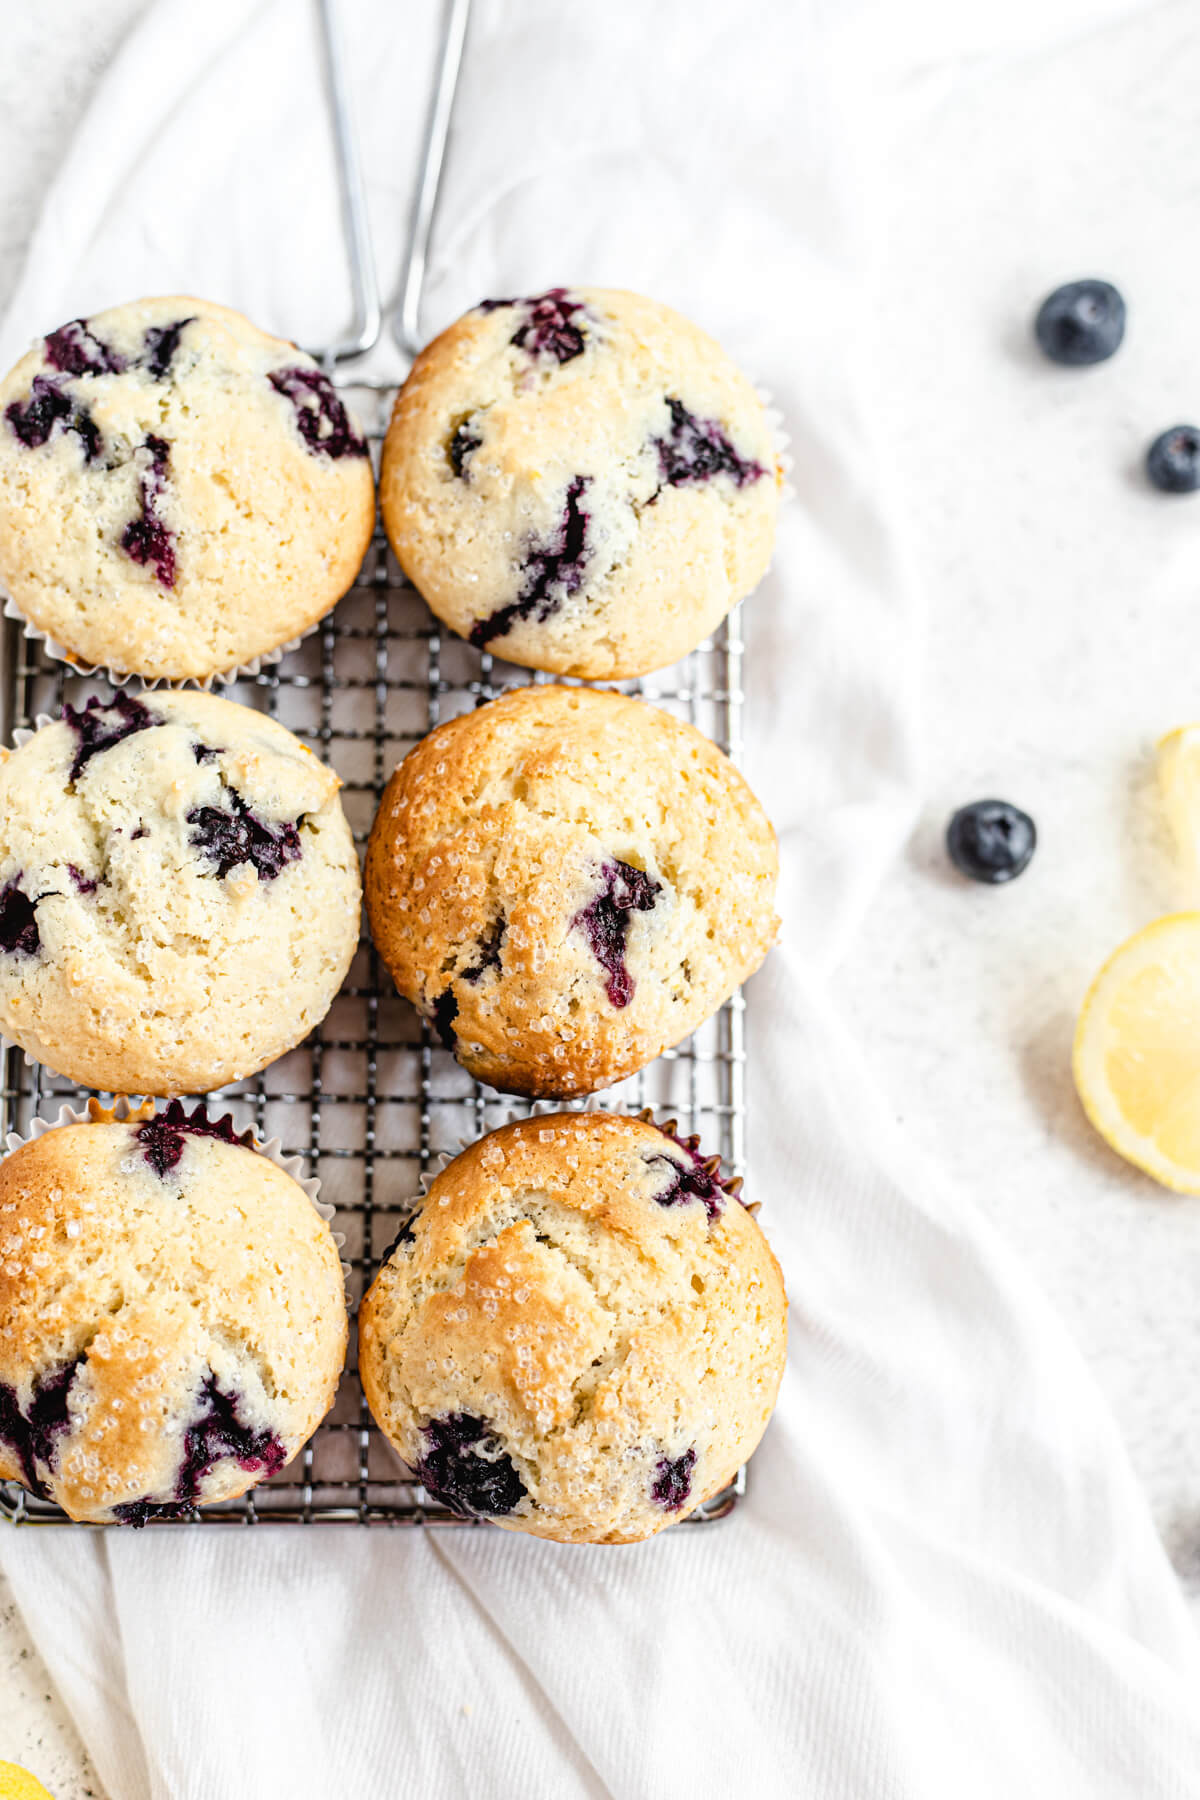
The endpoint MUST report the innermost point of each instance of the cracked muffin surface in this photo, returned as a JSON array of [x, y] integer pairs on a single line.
[[581, 481], [172, 1316], [567, 882], [179, 893], [179, 491], [580, 1332]]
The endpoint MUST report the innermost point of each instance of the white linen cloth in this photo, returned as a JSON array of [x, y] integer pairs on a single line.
[[945, 1581]]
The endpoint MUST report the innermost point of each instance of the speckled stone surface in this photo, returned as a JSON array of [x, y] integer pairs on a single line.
[[34, 1728], [1062, 594]]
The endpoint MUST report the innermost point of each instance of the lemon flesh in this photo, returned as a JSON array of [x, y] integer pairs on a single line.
[[1137, 1051], [1179, 786], [19, 1784]]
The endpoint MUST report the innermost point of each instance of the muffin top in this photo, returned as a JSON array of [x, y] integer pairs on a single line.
[[567, 881], [172, 1316], [581, 481], [179, 492], [179, 892], [579, 1334]]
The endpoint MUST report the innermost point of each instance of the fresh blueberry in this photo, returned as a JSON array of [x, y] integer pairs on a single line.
[[101, 724], [162, 1136], [991, 840], [321, 419], [553, 570], [672, 1484], [605, 922], [240, 836], [18, 921], [148, 540], [1081, 323], [697, 449], [464, 1465], [1173, 460]]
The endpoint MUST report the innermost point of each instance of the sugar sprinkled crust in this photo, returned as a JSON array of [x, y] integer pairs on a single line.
[[179, 492], [172, 1320], [581, 481], [567, 882], [179, 893], [581, 1332]]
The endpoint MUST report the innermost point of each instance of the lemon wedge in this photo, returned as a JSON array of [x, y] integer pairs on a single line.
[[1137, 1051], [1179, 785], [19, 1784]]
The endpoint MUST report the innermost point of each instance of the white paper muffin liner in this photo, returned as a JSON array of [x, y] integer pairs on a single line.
[[22, 733], [119, 677], [127, 1109], [780, 437]]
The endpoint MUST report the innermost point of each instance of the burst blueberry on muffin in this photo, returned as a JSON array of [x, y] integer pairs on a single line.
[[566, 882], [179, 492], [172, 1317], [581, 481], [582, 1333], [179, 893]]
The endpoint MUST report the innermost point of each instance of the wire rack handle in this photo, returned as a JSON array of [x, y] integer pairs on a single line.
[[367, 320]]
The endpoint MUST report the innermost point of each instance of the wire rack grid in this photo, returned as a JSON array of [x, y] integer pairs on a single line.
[[371, 1100]]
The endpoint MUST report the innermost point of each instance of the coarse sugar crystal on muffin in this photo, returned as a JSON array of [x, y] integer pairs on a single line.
[[580, 1333], [566, 882], [179, 892], [172, 1315], [179, 492], [581, 481]]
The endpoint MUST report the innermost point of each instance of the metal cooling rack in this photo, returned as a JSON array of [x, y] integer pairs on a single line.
[[371, 1100]]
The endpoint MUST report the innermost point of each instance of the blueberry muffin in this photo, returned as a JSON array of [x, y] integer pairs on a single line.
[[566, 882], [179, 492], [582, 481], [172, 1315], [179, 893], [580, 1333]]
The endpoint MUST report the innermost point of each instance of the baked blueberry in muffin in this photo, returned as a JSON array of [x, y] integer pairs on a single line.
[[566, 882], [179, 492], [569, 1342], [172, 1320], [580, 481], [179, 892]]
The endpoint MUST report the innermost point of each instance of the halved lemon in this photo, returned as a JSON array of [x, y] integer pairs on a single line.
[[19, 1784], [1179, 785], [1137, 1051]]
